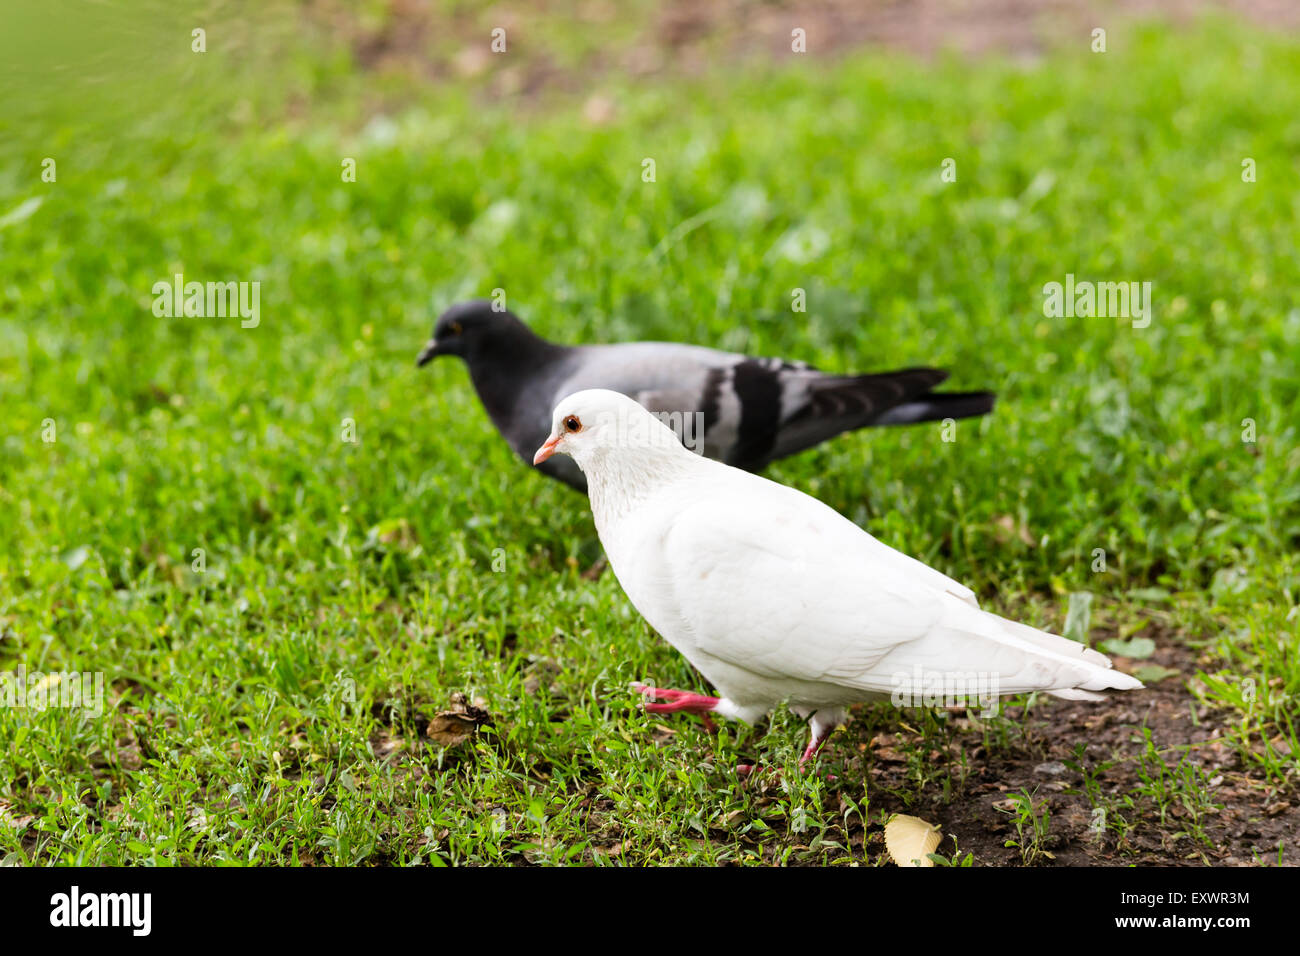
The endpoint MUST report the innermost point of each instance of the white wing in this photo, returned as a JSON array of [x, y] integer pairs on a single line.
[[771, 581]]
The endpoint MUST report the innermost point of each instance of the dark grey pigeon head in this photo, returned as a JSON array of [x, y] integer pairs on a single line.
[[475, 330]]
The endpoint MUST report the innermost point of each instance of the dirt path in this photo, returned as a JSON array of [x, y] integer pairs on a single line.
[[687, 36], [1221, 813]]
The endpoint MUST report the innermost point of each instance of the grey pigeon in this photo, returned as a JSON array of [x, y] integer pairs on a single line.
[[752, 410]]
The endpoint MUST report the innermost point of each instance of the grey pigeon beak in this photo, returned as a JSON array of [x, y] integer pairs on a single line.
[[427, 354]]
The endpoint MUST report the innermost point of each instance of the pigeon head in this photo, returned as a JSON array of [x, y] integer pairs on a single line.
[[473, 329], [599, 428]]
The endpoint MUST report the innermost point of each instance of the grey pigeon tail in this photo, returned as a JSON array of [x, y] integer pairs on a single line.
[[744, 411]]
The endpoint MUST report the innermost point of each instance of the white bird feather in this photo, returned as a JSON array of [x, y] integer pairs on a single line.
[[772, 595]]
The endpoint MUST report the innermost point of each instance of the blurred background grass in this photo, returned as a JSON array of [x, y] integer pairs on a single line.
[[816, 173]]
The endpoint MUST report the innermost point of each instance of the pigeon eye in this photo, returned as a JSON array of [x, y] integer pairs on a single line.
[[454, 328], [572, 424]]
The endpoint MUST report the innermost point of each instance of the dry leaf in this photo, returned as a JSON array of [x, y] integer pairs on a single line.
[[455, 726], [910, 840]]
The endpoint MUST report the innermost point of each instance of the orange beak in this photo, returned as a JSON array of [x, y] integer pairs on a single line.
[[547, 449]]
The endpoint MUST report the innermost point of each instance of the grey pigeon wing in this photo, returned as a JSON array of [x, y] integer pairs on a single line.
[[752, 411], [816, 407], [684, 380], [706, 421], [646, 366]]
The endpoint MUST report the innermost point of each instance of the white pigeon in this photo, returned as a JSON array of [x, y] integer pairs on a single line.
[[772, 595]]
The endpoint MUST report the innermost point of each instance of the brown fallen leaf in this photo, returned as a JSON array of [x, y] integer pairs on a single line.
[[455, 726], [17, 823]]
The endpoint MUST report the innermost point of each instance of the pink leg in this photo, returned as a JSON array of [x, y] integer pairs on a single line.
[[821, 725], [681, 701], [815, 743]]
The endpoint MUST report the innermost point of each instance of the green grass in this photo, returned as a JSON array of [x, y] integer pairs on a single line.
[[269, 708]]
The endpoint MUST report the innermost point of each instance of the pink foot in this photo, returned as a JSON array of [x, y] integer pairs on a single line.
[[814, 746], [821, 726], [681, 701]]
